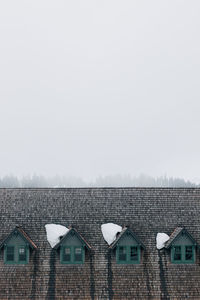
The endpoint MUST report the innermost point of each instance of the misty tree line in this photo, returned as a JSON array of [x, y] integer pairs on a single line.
[[106, 181]]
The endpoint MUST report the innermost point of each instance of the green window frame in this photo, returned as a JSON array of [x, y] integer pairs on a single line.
[[9, 256], [128, 254], [16, 254], [183, 254], [22, 254], [72, 255]]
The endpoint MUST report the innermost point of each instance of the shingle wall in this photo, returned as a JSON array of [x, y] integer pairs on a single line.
[[145, 210]]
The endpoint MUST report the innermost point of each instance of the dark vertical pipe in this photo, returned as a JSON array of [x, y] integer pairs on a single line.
[[52, 277], [35, 269], [163, 286], [110, 275], [146, 273], [92, 282]]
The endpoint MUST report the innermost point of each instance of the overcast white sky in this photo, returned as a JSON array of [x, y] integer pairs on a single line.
[[92, 88]]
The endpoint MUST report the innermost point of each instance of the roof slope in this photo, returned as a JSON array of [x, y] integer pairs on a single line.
[[23, 234], [122, 233], [175, 234], [146, 210], [77, 234]]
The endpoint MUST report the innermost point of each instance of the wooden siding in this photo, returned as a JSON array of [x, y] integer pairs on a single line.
[[146, 211]]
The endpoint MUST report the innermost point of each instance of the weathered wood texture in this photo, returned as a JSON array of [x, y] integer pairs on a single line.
[[146, 211]]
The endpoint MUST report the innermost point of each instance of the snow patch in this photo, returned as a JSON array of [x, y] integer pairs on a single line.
[[54, 232], [110, 231], [161, 239]]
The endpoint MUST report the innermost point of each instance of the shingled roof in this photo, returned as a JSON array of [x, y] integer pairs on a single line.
[[145, 211], [23, 234], [79, 236], [122, 233], [175, 235]]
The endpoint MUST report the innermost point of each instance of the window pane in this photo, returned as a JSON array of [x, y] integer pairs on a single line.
[[177, 253], [134, 253], [22, 254], [10, 253], [122, 253], [188, 253], [78, 254], [67, 254]]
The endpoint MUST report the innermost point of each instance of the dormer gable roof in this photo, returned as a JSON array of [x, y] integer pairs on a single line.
[[19, 230], [78, 235], [125, 231], [176, 233]]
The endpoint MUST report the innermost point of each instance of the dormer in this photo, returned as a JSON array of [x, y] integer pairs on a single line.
[[17, 246], [72, 248], [128, 247], [182, 246]]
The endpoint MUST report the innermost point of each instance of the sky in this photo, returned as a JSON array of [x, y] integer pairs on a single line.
[[95, 88]]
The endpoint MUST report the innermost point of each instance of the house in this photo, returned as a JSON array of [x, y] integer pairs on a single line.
[[82, 265]]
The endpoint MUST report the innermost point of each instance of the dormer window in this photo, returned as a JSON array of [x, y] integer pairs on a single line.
[[16, 254], [22, 255], [17, 247], [72, 248], [128, 247], [72, 254], [183, 254], [182, 247], [128, 254], [9, 254]]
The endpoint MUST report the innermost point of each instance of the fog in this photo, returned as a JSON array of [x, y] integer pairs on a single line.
[[98, 88]]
